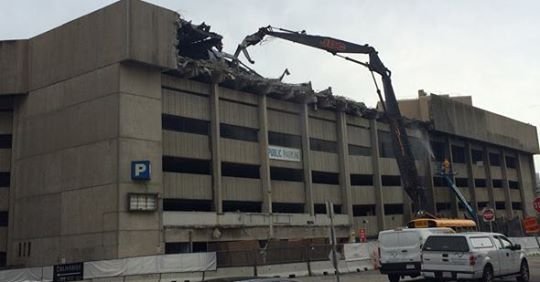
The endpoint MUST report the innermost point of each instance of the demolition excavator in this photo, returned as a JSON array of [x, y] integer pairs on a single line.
[[400, 141]]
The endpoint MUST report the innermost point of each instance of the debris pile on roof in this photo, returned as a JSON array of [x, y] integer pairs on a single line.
[[200, 56]]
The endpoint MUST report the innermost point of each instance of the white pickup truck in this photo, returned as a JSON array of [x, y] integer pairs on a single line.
[[476, 255]]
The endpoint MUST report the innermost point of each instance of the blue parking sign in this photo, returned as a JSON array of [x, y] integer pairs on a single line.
[[140, 170]]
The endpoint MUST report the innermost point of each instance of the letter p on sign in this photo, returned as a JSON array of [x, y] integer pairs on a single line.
[[140, 170]]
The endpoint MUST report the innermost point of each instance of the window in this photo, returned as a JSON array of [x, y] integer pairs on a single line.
[[323, 145], [462, 182], [185, 165], [443, 206], [494, 159], [439, 150], [390, 209], [284, 139], [510, 162], [287, 208], [286, 174], [240, 170], [497, 183], [355, 150], [4, 218], [385, 145], [418, 148], [5, 179], [322, 177], [184, 124], [364, 210], [477, 156], [2, 259], [513, 184], [481, 242], [458, 154], [187, 205], [238, 132], [479, 183], [516, 206], [500, 205], [446, 244], [5, 141], [241, 206], [391, 180], [361, 180], [142, 201], [482, 205], [506, 244], [321, 209], [182, 248]]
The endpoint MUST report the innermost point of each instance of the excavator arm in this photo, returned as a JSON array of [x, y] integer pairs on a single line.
[[400, 140]]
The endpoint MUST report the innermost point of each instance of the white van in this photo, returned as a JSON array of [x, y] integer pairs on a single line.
[[400, 250]]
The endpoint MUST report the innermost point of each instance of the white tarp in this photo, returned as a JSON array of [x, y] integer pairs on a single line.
[[25, 274], [360, 251], [150, 264]]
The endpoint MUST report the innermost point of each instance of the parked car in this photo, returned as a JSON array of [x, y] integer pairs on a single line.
[[475, 255], [400, 250]]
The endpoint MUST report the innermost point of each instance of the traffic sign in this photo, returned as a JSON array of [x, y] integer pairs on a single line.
[[488, 215], [536, 204], [531, 225]]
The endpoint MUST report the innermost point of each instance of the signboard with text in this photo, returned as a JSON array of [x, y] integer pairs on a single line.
[[284, 154], [530, 224], [68, 272], [140, 170]]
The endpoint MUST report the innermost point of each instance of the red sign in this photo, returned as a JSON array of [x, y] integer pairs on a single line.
[[536, 204], [531, 225], [362, 234], [488, 215]]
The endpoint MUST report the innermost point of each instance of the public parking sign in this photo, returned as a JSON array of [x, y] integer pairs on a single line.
[[140, 170], [488, 215], [536, 204]]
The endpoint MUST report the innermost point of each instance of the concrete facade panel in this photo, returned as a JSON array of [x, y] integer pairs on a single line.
[[80, 124], [136, 150], [142, 221], [187, 186], [238, 114], [392, 195], [388, 166], [86, 210], [230, 94], [130, 243], [140, 117], [363, 195], [482, 195], [322, 113], [5, 160], [284, 106], [479, 171], [13, 66], [4, 199], [515, 196], [512, 174], [496, 172], [41, 216], [357, 121], [498, 194], [359, 136], [322, 129], [87, 247], [185, 105], [360, 164], [283, 122], [6, 122], [526, 183], [288, 192], [238, 151], [241, 189], [289, 164], [368, 223], [88, 43], [187, 85], [393, 221], [326, 192], [139, 80], [322, 161], [186, 145], [3, 239], [442, 194], [45, 251]]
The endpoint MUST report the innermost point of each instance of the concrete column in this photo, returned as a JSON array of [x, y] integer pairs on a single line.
[[263, 153], [216, 150], [489, 179], [344, 175], [308, 207], [506, 187], [453, 198], [470, 176], [521, 181], [377, 182]]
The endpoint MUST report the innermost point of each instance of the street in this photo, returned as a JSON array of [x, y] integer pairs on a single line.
[[534, 266]]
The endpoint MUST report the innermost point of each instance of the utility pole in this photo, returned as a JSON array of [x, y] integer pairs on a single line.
[[330, 213]]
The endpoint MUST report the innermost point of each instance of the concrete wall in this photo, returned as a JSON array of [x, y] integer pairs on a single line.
[[13, 67]]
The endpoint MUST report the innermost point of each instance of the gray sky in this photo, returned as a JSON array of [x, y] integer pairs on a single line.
[[486, 48]]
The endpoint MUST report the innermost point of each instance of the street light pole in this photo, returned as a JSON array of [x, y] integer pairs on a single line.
[[330, 213]]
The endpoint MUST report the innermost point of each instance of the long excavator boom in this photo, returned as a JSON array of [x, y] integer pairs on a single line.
[[400, 141]]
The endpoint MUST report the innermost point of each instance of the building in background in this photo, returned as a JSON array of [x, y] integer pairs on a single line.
[[121, 137]]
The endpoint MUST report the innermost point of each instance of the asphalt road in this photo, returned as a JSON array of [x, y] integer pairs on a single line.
[[534, 266]]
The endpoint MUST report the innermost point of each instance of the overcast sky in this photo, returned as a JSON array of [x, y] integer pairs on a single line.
[[488, 49]]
